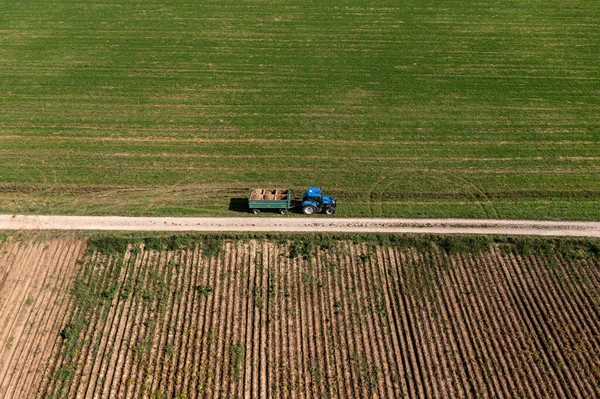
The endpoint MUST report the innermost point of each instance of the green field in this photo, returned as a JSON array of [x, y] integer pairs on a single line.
[[398, 108]]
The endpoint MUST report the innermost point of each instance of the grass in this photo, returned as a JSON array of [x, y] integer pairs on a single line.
[[306, 245], [107, 244], [398, 109], [204, 290], [236, 352]]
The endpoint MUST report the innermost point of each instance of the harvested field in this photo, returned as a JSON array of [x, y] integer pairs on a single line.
[[35, 276], [330, 318]]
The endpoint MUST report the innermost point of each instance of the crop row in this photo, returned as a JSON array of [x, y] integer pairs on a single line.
[[259, 319], [35, 276]]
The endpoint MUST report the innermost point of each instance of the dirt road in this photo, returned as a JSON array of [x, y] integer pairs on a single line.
[[312, 224]]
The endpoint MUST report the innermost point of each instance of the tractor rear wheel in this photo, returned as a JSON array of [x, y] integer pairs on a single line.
[[308, 210]]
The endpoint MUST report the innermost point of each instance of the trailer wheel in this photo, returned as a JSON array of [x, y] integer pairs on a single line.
[[329, 211], [256, 211], [308, 210], [283, 211]]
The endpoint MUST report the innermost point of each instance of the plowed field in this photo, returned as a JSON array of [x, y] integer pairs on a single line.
[[254, 318], [35, 276]]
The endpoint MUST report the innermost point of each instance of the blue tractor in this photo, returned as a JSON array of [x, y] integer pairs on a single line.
[[314, 202]]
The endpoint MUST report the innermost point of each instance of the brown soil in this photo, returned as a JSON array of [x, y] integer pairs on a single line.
[[353, 320], [35, 278]]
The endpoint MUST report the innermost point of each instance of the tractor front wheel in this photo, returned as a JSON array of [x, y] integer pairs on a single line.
[[308, 210], [329, 211]]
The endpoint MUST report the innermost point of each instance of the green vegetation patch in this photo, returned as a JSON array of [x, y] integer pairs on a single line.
[[107, 244], [305, 245], [237, 352]]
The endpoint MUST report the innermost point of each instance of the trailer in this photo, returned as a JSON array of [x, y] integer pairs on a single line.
[[277, 199], [313, 201]]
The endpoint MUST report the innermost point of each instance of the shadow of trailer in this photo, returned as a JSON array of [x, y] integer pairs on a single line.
[[239, 205]]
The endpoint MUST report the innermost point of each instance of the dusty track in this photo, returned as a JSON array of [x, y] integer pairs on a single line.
[[314, 224]]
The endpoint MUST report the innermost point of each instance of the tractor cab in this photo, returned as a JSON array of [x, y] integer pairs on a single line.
[[313, 201]]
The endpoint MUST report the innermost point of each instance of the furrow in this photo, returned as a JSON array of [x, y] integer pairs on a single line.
[[274, 353], [59, 317], [224, 334], [456, 315], [577, 287], [187, 318], [190, 344], [120, 341], [237, 349], [250, 332], [557, 320], [304, 376], [431, 320], [526, 345], [62, 304], [199, 311], [255, 299], [415, 302], [85, 275], [170, 263], [518, 373], [142, 343], [288, 376], [21, 348], [492, 335], [318, 361], [339, 343], [160, 354], [477, 329], [96, 312], [131, 348], [345, 302], [451, 339], [100, 346], [511, 279], [412, 371], [166, 340], [393, 349], [215, 339], [264, 324], [377, 370], [543, 327], [13, 302], [320, 304]]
